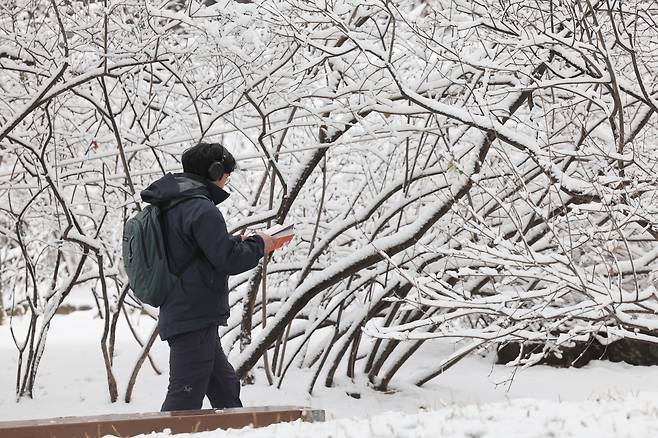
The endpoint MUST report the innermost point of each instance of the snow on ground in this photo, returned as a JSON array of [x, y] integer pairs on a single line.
[[630, 417], [474, 399]]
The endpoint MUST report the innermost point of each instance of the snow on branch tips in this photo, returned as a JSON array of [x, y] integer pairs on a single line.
[[457, 171]]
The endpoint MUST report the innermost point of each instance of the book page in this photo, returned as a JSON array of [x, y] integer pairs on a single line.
[[279, 230]]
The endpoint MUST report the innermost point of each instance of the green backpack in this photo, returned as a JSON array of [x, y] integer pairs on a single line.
[[145, 255]]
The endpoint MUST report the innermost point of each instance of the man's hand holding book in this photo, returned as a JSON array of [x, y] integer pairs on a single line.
[[277, 236]]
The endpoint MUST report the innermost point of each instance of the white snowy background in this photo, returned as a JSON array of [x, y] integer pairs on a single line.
[[461, 174], [476, 399]]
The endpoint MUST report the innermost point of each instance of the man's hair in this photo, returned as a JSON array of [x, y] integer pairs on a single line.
[[199, 158]]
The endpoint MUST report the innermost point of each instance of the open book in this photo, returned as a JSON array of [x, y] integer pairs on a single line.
[[280, 230], [282, 234]]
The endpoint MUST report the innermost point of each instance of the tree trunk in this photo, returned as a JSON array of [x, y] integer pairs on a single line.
[[631, 351]]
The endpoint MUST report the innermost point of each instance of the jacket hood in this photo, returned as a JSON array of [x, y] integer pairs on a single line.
[[182, 185]]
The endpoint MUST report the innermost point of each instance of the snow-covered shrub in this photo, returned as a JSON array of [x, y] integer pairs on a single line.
[[471, 170]]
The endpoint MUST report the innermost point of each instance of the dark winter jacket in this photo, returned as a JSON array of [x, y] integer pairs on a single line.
[[195, 231]]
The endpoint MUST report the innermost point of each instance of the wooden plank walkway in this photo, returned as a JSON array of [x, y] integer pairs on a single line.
[[127, 425]]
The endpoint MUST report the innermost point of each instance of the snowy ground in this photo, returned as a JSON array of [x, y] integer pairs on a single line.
[[474, 399], [632, 417]]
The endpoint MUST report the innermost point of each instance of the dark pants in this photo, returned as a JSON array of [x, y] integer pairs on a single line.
[[197, 368]]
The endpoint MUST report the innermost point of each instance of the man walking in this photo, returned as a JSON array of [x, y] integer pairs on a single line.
[[202, 252]]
